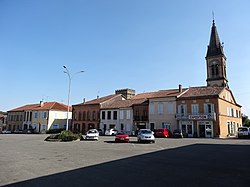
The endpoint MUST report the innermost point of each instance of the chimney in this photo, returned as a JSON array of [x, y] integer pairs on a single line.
[[180, 88], [41, 103], [127, 93]]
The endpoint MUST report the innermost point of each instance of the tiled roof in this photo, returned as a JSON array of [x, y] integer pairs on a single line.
[[159, 94], [123, 103], [203, 91], [44, 106], [99, 100]]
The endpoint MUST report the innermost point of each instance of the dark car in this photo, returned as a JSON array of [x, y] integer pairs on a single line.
[[100, 132], [28, 131], [177, 133]]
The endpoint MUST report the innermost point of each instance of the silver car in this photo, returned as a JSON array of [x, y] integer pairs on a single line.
[[145, 135]]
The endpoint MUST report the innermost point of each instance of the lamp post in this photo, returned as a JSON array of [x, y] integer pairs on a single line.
[[70, 78]]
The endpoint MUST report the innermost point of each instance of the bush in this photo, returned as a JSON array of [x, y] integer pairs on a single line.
[[54, 131], [64, 136]]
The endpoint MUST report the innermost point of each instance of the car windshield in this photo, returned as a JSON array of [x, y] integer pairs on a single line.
[[146, 132], [242, 129], [159, 130], [93, 131], [177, 131], [121, 133]]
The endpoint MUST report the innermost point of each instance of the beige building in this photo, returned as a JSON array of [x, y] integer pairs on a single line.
[[38, 117], [208, 112]]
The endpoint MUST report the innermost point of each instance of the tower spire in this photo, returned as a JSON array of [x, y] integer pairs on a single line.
[[214, 47], [216, 60]]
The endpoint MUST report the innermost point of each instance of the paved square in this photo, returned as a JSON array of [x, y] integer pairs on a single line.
[[27, 160]]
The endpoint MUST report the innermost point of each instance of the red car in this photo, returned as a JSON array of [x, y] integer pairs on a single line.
[[121, 136], [162, 132]]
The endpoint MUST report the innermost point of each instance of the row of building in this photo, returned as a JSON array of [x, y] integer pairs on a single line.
[[203, 111]]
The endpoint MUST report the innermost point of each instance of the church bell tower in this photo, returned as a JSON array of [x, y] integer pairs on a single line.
[[216, 61]]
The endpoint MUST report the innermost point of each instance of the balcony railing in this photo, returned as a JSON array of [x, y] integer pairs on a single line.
[[199, 116], [140, 118]]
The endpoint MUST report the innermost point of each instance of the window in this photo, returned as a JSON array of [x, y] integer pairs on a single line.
[[121, 114], [160, 108], [195, 109], [84, 116], [231, 128], [88, 115], [151, 108], [109, 114], [55, 126], [170, 108], [35, 115], [182, 109], [44, 115], [209, 108], [115, 115], [215, 70], [122, 126], [94, 115], [128, 114], [79, 116], [103, 114], [43, 127]]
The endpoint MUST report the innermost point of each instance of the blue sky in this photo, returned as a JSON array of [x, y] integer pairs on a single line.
[[146, 45]]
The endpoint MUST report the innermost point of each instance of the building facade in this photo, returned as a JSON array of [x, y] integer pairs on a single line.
[[86, 115], [119, 115], [210, 111], [38, 117]]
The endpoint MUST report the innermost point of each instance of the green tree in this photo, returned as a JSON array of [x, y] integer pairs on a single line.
[[245, 120]]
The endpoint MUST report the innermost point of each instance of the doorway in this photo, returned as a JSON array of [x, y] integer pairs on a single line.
[[205, 129]]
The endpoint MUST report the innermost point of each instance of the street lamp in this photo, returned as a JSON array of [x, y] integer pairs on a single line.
[[70, 77]]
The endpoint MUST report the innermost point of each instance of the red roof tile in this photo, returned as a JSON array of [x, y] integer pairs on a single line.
[[44, 106], [123, 103], [203, 91], [159, 94], [99, 100]]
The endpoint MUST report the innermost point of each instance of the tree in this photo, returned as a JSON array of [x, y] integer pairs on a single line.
[[245, 120]]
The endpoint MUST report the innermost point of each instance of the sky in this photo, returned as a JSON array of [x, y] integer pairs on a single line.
[[146, 45]]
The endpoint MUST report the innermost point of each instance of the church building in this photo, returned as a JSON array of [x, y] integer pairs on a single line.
[[210, 111]]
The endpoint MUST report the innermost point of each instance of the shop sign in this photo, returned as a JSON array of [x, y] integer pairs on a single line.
[[197, 117]]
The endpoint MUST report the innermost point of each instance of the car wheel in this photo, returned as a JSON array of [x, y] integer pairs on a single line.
[[153, 141]]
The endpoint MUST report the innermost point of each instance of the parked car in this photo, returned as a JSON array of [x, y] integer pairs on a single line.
[[243, 132], [92, 134], [145, 135], [18, 131], [177, 133], [6, 132], [100, 132], [122, 136], [111, 132], [28, 131], [162, 133]]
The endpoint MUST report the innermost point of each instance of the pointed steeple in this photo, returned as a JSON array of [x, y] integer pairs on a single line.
[[214, 48]]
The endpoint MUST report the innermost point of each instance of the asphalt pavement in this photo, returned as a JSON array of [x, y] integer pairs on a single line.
[[27, 160]]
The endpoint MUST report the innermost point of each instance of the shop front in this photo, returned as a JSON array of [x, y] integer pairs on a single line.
[[205, 129], [187, 128]]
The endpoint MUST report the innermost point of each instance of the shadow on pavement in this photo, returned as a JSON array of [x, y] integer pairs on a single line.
[[194, 165]]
